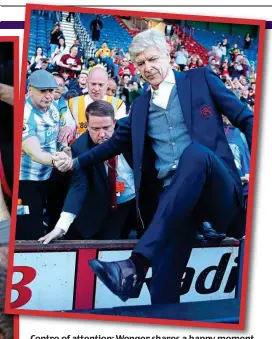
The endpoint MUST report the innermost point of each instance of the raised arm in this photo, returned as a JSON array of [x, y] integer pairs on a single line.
[[32, 147], [119, 142]]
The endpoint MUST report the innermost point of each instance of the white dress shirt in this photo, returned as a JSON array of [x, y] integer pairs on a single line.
[[160, 96]]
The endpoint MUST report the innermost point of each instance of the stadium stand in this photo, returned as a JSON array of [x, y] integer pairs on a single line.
[[117, 34]]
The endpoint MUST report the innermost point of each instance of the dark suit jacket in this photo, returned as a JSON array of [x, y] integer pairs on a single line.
[[89, 193], [203, 98], [94, 23]]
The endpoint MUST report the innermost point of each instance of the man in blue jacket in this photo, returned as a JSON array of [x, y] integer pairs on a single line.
[[177, 138]]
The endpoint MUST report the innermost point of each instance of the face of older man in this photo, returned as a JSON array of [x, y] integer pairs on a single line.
[[97, 83], [112, 86], [59, 91], [153, 65], [41, 98]]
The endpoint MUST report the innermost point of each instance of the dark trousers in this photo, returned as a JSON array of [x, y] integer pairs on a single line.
[[58, 186], [181, 67], [116, 226], [95, 35], [119, 223], [33, 195], [201, 189], [38, 195]]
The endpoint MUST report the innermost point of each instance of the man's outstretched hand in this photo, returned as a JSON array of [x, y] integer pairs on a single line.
[[53, 235], [62, 161]]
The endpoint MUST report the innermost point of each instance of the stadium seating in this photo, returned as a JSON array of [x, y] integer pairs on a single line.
[[40, 28], [122, 24], [192, 46], [84, 37], [197, 40], [208, 38], [112, 31]]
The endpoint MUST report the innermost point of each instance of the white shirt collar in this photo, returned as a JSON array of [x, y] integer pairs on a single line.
[[170, 79]]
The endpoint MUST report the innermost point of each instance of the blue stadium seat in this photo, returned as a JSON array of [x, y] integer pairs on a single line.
[[209, 38], [112, 32], [40, 27]]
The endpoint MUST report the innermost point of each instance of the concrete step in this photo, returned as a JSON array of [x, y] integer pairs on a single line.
[[68, 29], [67, 25]]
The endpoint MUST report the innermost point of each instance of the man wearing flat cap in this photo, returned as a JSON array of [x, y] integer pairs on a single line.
[[39, 143]]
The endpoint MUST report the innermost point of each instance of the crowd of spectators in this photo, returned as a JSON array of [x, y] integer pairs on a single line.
[[229, 62], [72, 69]]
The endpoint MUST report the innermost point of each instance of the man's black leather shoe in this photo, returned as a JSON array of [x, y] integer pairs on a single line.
[[120, 277], [210, 233]]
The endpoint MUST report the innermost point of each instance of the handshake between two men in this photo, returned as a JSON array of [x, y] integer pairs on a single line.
[[63, 160]]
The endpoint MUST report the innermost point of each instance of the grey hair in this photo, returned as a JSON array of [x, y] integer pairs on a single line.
[[146, 39]]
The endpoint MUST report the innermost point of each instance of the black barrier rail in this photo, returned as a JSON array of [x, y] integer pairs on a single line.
[[70, 245]]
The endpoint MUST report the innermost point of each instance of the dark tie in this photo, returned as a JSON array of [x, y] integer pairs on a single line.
[[112, 172]]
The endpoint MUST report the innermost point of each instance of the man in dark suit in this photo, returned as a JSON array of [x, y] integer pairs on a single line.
[[95, 27], [101, 200], [178, 121]]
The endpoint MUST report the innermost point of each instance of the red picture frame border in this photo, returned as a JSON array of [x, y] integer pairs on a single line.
[[15, 40]]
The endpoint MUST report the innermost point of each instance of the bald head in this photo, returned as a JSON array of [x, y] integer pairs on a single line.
[[97, 83]]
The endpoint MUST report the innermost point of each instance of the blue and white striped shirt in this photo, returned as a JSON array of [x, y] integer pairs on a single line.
[[44, 126]]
